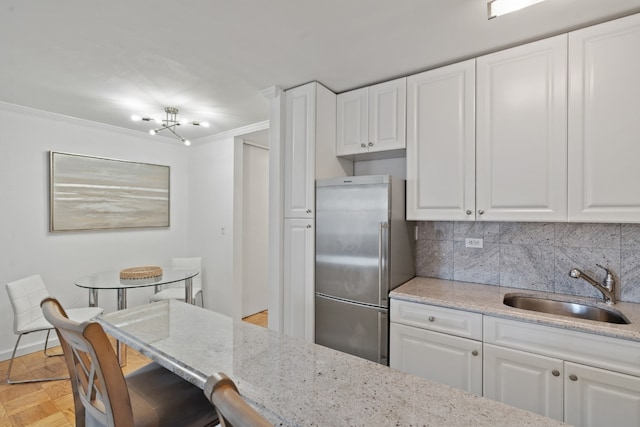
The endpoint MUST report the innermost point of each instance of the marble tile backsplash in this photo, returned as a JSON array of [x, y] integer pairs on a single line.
[[536, 256]]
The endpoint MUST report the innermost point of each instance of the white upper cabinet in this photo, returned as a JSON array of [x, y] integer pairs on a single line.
[[372, 119], [604, 122], [441, 143], [353, 122], [387, 115], [521, 141]]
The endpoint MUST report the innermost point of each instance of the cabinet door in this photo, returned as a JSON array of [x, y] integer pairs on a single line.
[[521, 145], [298, 286], [387, 115], [299, 152], [604, 100], [439, 357], [441, 144], [524, 380], [595, 397], [352, 122]]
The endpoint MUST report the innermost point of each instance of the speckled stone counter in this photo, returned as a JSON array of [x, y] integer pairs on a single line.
[[294, 383], [487, 299]]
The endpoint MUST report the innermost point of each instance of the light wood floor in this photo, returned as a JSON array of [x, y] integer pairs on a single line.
[[50, 403], [259, 319], [47, 403]]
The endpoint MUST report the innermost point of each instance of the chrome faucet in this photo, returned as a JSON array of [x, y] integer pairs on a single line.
[[608, 288]]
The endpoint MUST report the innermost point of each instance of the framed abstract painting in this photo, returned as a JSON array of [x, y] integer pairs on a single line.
[[93, 193]]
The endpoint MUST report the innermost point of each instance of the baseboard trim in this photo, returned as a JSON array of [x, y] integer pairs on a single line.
[[29, 348]]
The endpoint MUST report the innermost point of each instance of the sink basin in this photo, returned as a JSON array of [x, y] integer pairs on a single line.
[[565, 308]]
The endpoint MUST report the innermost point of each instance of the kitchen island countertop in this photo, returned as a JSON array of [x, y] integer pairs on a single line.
[[295, 383]]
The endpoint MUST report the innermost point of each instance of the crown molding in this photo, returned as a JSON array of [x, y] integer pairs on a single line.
[[48, 115], [271, 92], [233, 133]]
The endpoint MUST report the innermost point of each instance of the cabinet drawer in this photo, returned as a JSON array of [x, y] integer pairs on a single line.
[[439, 319], [589, 349]]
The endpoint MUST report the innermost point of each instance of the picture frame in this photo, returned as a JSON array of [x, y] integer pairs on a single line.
[[97, 193]]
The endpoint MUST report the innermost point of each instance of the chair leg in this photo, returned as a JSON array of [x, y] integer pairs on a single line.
[[35, 380], [46, 344], [201, 299]]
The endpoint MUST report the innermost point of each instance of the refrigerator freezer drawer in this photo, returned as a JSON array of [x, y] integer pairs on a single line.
[[353, 328]]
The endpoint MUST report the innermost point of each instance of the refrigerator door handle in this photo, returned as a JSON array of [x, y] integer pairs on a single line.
[[383, 255]]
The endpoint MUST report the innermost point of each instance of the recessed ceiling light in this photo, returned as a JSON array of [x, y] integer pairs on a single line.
[[502, 7]]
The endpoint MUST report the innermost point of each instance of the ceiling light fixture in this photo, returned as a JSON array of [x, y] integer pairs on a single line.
[[170, 123], [502, 7]]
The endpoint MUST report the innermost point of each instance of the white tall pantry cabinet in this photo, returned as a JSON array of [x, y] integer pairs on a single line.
[[604, 122], [309, 153]]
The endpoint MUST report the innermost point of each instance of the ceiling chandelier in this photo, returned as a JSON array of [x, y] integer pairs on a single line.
[[170, 123]]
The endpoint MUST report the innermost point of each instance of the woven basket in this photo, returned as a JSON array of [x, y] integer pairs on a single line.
[[143, 272]]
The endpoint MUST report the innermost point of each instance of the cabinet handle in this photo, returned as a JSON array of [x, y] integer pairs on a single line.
[[308, 210], [480, 212], [432, 319], [363, 145], [555, 373], [308, 225], [474, 352], [573, 377], [371, 144], [469, 212]]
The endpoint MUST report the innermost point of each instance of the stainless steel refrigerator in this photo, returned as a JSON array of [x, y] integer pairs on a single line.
[[364, 249]]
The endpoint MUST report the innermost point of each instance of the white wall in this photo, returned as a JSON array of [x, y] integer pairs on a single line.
[[215, 193], [255, 229], [26, 245], [211, 218], [395, 167]]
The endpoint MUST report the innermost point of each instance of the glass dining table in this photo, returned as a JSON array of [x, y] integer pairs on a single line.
[[111, 280]]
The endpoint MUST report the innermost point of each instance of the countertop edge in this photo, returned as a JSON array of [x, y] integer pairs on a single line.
[[487, 300]]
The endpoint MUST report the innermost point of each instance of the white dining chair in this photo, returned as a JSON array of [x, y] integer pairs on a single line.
[[25, 296], [177, 290]]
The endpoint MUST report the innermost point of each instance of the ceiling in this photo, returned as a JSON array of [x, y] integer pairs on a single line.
[[104, 61]]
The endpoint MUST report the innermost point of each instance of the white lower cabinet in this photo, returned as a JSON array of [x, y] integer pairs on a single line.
[[583, 379], [600, 376], [437, 343], [597, 397], [525, 380], [439, 357]]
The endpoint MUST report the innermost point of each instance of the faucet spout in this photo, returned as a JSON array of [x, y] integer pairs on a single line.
[[607, 290]]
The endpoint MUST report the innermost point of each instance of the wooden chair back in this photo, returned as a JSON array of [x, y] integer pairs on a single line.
[[232, 410], [96, 377]]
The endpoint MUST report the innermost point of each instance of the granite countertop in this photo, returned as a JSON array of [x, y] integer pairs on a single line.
[[487, 299], [296, 383]]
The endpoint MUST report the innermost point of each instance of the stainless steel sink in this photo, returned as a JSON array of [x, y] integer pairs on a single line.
[[565, 308]]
